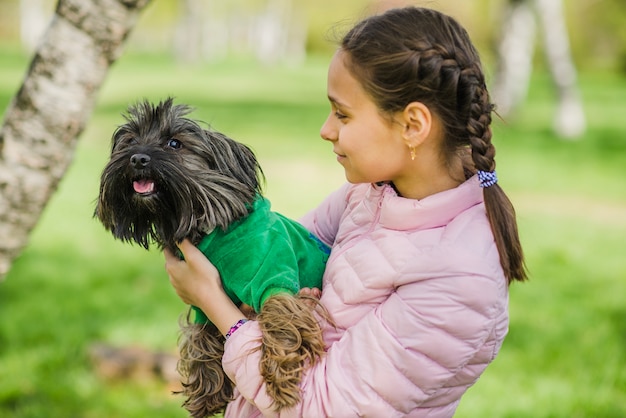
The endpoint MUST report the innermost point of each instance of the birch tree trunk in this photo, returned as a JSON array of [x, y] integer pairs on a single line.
[[33, 20], [50, 110], [189, 39], [515, 58], [569, 120]]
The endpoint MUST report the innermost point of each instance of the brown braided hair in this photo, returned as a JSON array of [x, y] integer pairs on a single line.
[[416, 54]]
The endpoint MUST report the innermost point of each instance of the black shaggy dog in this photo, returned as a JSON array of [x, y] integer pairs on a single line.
[[169, 179]]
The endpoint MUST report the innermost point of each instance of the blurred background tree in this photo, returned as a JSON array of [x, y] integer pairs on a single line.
[[521, 20], [41, 127], [289, 28]]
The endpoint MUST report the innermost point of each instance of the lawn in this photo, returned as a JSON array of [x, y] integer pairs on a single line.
[[565, 355]]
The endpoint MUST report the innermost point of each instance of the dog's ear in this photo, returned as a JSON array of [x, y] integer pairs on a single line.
[[250, 166], [240, 161]]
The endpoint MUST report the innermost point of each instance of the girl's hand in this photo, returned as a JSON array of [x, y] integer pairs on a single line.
[[197, 282], [312, 292], [193, 277], [310, 296]]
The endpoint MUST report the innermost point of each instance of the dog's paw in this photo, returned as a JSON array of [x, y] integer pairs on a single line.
[[292, 342]]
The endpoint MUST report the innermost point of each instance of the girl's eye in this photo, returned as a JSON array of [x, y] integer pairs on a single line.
[[174, 143], [340, 115]]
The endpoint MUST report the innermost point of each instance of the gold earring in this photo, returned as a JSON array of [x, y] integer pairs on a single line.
[[412, 152]]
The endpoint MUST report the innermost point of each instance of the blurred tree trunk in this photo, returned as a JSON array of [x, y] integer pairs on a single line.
[[273, 30], [190, 31], [51, 108], [33, 19], [514, 56], [515, 59]]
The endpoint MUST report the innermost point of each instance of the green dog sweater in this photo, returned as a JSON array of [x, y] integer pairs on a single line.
[[263, 254]]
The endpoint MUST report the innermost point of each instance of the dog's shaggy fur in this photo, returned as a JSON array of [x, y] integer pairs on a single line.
[[169, 179]]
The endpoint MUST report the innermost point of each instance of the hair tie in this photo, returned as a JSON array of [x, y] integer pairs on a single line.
[[487, 178]]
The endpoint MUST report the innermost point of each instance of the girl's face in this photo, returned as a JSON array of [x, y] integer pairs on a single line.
[[368, 146]]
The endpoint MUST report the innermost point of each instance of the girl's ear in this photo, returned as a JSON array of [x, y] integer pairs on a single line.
[[417, 121]]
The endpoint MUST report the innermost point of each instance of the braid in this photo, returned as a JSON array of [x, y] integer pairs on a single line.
[[500, 211], [478, 128]]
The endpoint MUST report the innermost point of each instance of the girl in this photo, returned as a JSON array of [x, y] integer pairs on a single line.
[[424, 240]]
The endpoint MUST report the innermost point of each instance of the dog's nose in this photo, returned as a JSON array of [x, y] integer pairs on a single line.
[[140, 160]]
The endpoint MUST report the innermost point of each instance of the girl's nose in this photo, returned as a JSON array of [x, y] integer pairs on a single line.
[[327, 131]]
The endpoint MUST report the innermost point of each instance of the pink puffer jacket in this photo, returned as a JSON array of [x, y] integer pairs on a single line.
[[419, 298]]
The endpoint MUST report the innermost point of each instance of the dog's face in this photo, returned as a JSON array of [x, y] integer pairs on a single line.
[[170, 179]]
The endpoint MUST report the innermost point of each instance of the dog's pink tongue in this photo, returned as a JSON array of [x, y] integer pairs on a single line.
[[143, 186]]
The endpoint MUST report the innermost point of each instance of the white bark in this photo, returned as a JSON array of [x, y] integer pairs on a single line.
[[569, 121], [280, 33], [190, 31], [272, 30], [51, 109], [33, 20], [515, 54], [515, 57]]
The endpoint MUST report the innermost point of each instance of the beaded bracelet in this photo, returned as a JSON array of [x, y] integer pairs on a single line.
[[235, 327]]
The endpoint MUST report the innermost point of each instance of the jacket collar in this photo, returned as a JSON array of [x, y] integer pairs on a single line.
[[433, 211]]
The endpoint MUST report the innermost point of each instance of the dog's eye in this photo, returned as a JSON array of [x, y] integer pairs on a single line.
[[174, 143]]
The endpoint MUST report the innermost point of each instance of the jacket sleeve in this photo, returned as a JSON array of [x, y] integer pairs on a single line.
[[409, 347], [396, 357], [324, 220]]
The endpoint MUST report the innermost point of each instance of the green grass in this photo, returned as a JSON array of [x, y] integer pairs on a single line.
[[565, 355]]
